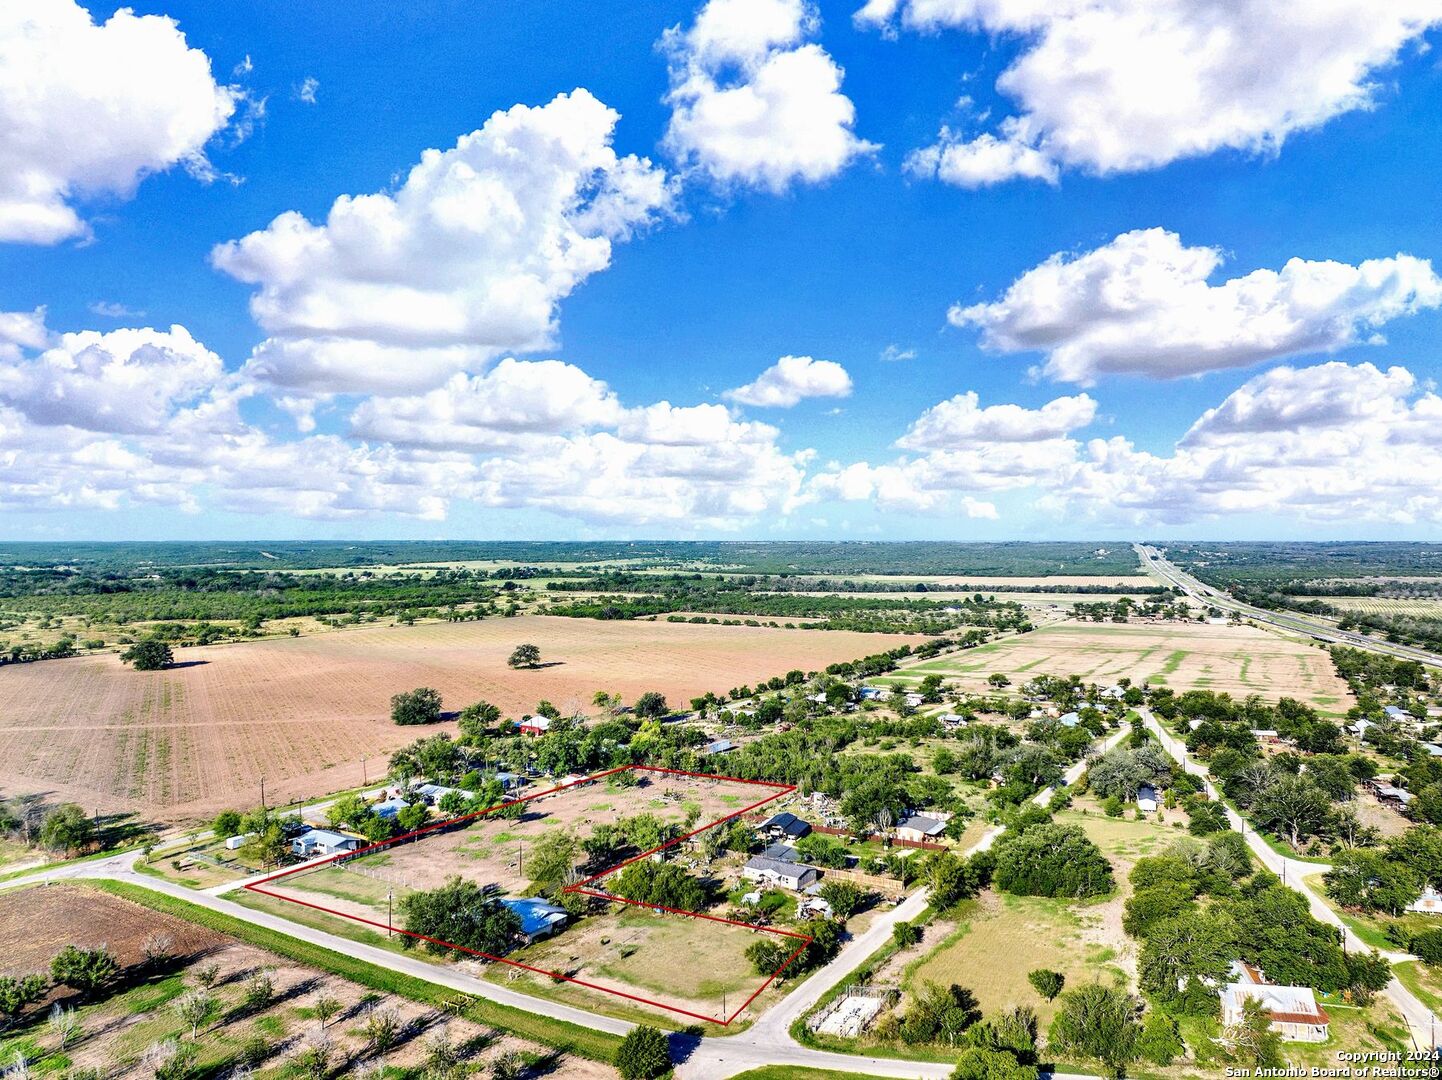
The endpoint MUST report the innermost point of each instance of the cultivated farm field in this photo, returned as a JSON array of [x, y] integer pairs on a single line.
[[1422, 607], [1238, 660], [183, 743]]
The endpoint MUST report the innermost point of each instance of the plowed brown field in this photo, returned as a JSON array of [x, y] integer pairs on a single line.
[[183, 743]]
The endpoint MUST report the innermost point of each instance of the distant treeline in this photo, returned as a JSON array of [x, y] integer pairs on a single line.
[[894, 615], [1222, 564], [627, 581], [794, 557], [189, 594]]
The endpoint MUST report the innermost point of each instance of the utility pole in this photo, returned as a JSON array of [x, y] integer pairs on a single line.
[[363, 770], [389, 893], [262, 793]]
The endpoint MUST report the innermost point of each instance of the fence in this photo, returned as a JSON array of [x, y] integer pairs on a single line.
[[886, 886]]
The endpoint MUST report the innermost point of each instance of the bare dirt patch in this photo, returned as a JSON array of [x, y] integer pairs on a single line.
[[184, 743]]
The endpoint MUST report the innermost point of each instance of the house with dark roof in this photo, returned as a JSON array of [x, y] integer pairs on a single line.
[[781, 853], [783, 826], [788, 875]]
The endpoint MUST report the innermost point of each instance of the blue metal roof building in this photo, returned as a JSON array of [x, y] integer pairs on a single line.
[[539, 918]]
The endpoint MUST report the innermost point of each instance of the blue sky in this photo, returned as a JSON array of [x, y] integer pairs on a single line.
[[1122, 389]]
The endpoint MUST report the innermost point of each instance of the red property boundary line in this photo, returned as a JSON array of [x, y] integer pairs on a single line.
[[579, 887]]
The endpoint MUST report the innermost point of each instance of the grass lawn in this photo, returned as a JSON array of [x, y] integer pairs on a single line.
[[1424, 981], [1005, 937], [711, 968], [347, 885], [596, 1045], [1371, 929], [792, 1072]]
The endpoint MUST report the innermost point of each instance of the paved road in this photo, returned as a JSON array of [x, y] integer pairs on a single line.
[[1420, 1020], [1200, 591]]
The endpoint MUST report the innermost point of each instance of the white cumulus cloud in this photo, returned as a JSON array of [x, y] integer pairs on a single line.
[[1331, 443], [964, 449], [754, 102], [89, 110], [1144, 304], [791, 380], [121, 381], [466, 260], [1109, 86], [513, 399], [962, 419]]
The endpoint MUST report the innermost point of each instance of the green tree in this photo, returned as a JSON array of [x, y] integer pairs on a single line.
[[1096, 1021], [1051, 860], [150, 654], [551, 860], [348, 810], [85, 970], [419, 706], [226, 824], [978, 1063], [477, 719], [651, 706], [643, 1054], [267, 846], [18, 991], [461, 913], [525, 656], [1160, 1041], [844, 897], [1251, 1038], [67, 828], [1295, 805], [664, 885], [194, 1009], [1184, 958], [1046, 983], [1365, 879]]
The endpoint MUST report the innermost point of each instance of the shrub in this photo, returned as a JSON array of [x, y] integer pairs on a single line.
[[1160, 1042], [85, 970], [643, 1054]]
